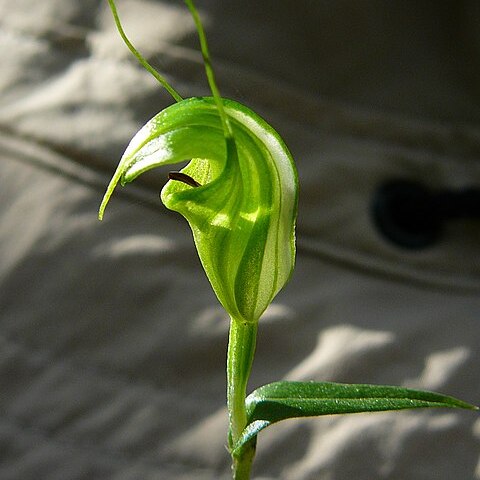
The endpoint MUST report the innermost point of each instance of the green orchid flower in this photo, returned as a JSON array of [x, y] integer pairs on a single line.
[[238, 193]]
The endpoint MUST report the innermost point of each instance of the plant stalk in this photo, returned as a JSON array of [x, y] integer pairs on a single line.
[[241, 350], [160, 78]]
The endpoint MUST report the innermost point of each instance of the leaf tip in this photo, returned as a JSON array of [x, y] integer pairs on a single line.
[[456, 403]]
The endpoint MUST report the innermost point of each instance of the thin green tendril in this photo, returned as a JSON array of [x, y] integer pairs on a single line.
[[209, 70], [140, 58]]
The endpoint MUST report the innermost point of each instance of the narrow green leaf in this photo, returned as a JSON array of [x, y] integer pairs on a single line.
[[282, 400]]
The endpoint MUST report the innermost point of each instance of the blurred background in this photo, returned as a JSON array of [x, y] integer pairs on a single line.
[[112, 345]]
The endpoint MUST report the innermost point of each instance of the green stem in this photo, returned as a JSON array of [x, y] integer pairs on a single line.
[[209, 70], [241, 349], [139, 56]]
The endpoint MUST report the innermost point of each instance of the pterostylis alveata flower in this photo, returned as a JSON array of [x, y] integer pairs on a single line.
[[240, 201], [239, 194]]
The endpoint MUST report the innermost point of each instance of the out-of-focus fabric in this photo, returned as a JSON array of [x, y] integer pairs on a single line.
[[112, 345]]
